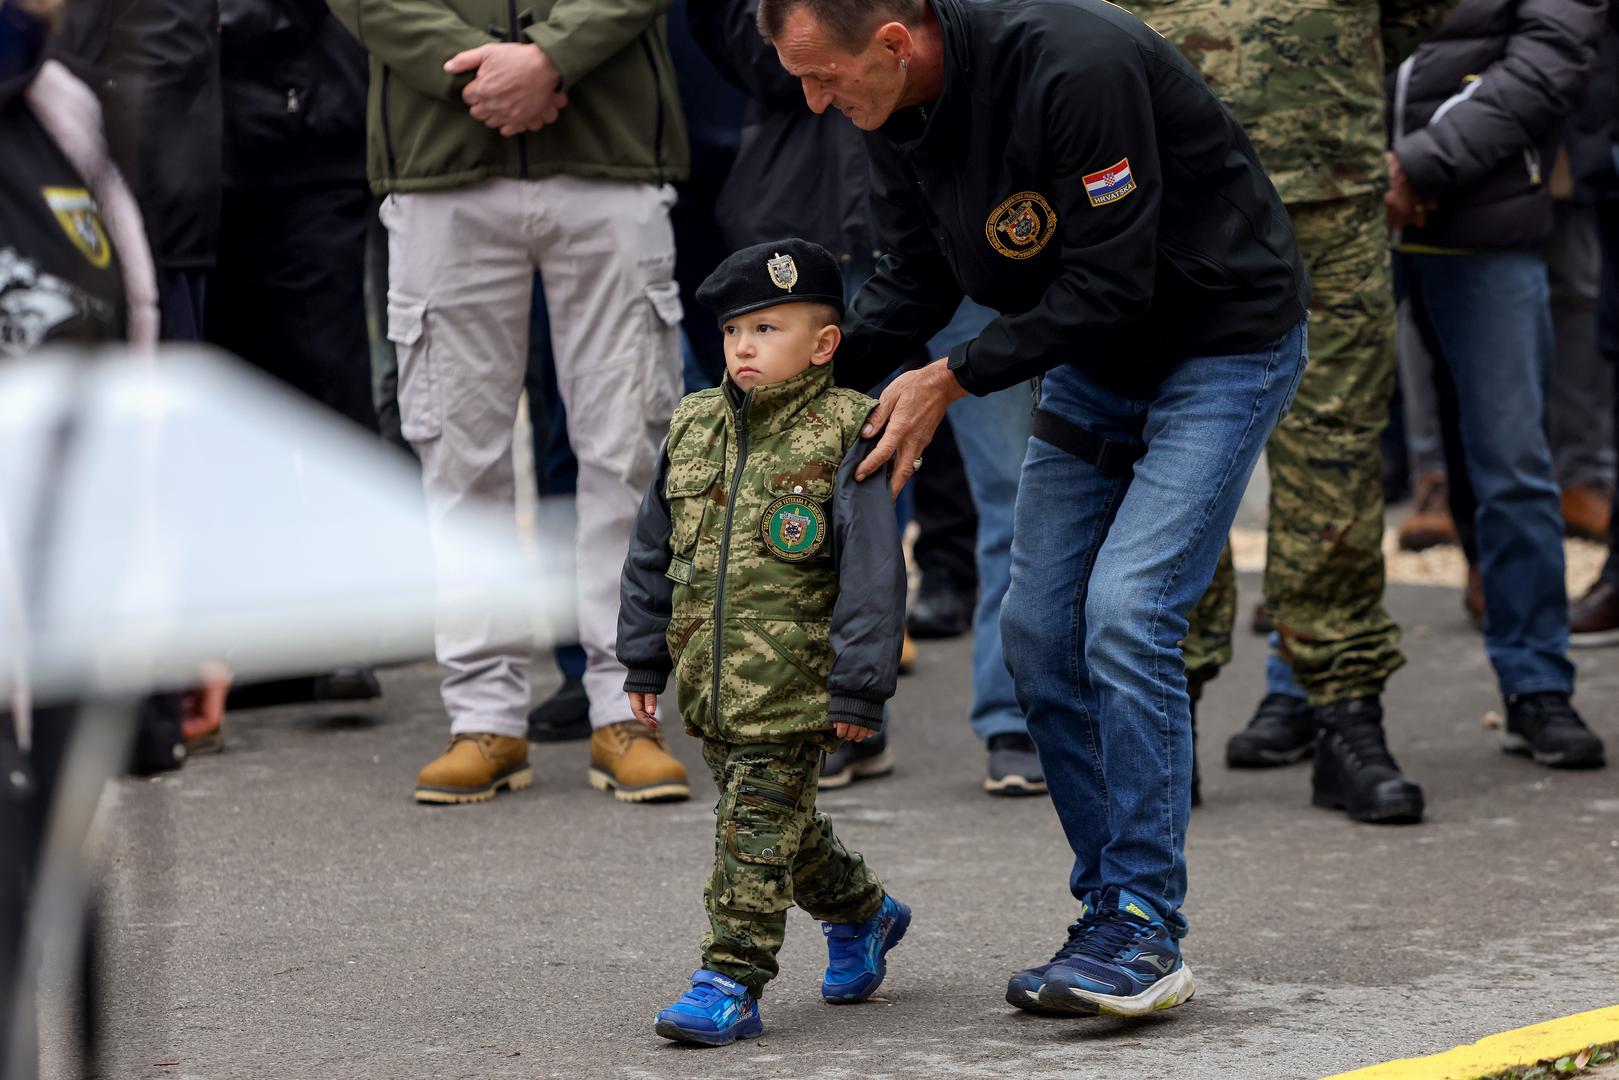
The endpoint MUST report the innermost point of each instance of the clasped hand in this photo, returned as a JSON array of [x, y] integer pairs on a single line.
[[517, 88]]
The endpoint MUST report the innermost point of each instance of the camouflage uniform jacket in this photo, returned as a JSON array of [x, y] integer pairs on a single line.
[[1303, 77], [760, 572]]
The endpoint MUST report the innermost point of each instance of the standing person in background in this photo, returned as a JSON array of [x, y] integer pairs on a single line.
[[288, 292], [155, 66], [1475, 116], [504, 145], [1321, 139]]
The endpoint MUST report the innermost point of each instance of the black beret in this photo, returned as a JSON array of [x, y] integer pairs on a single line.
[[782, 272]]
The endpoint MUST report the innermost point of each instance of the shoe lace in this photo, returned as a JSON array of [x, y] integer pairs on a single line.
[[1110, 932], [1553, 710], [1078, 931], [1364, 744]]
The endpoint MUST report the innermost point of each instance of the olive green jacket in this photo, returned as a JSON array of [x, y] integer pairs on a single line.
[[761, 572], [1303, 77], [622, 120]]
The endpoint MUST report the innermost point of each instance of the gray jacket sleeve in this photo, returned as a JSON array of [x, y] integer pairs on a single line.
[[868, 620], [645, 594], [1535, 84]]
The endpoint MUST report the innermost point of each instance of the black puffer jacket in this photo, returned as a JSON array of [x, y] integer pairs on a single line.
[[1477, 111], [796, 173], [295, 83]]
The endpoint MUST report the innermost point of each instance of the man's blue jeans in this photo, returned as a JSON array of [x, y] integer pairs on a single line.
[[1104, 572], [992, 433], [1487, 317]]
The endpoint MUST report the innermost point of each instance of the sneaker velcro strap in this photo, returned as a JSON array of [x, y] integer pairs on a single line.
[[719, 982]]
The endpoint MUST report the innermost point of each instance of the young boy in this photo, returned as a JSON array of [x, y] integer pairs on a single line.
[[771, 583]]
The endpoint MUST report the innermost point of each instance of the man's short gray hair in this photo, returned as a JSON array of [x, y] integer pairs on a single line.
[[849, 23]]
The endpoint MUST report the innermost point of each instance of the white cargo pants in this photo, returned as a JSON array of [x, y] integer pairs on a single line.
[[460, 277]]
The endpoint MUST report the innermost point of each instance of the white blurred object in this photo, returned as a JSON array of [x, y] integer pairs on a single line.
[[202, 511]]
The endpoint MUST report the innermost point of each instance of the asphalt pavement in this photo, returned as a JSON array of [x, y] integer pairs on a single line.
[[284, 910]]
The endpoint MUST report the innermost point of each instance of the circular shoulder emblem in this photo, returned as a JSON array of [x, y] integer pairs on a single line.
[[1021, 226], [793, 527]]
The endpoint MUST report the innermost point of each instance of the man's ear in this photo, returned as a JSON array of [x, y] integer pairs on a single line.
[[895, 38], [826, 343]]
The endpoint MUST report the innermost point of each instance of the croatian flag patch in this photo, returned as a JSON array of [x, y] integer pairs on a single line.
[[1111, 184]]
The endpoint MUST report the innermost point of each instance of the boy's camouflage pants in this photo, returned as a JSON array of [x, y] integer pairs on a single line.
[[1324, 559], [772, 849]]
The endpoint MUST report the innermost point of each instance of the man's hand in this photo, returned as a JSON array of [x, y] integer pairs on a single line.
[[645, 708], [852, 732], [908, 414], [1402, 205], [517, 87]]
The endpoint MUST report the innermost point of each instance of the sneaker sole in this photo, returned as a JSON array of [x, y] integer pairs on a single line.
[[896, 936], [675, 1033], [1397, 812], [512, 781], [1028, 1000], [870, 769], [1593, 639], [1014, 785], [1520, 747], [1172, 990], [602, 780]]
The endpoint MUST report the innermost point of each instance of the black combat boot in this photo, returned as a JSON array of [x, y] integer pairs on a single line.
[[1354, 771], [1281, 732], [1545, 727]]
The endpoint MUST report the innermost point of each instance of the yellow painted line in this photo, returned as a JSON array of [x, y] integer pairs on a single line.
[[1494, 1054]]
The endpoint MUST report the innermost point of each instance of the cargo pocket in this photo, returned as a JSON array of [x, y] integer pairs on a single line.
[[763, 822], [687, 488], [801, 644], [420, 410], [663, 382]]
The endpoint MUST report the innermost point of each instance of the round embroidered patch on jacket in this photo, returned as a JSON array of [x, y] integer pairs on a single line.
[[793, 527]]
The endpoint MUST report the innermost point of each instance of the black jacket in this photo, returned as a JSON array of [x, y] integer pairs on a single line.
[[1078, 176], [155, 66], [1476, 113], [294, 85], [796, 173]]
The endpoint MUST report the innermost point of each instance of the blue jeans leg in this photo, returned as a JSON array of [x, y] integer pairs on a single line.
[[1278, 675], [993, 434], [1104, 571], [1490, 319]]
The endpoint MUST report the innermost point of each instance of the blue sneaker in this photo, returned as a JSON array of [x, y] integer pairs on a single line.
[[1126, 963], [855, 952], [1023, 989], [714, 1012]]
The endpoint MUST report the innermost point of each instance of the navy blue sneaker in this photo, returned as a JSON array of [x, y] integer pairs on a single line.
[[1125, 964], [714, 1012], [1023, 989], [855, 952]]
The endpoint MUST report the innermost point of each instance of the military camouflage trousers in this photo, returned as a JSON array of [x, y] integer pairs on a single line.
[[773, 849], [1324, 559]]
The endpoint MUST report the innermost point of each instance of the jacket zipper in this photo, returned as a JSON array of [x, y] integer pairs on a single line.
[[725, 547], [657, 91], [522, 137], [387, 128]]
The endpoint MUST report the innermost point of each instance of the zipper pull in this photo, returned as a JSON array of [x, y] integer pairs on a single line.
[[293, 104]]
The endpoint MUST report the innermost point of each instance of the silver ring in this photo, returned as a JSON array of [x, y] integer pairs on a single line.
[[917, 464]]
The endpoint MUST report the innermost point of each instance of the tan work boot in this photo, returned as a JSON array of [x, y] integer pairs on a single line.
[[1586, 509], [475, 766], [629, 759], [1429, 524]]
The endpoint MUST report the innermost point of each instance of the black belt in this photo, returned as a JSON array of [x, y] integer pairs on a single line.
[[1110, 458]]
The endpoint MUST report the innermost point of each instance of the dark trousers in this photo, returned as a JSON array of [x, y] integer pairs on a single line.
[[288, 294], [947, 523]]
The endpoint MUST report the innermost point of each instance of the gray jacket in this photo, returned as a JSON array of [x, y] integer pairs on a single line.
[[1476, 113]]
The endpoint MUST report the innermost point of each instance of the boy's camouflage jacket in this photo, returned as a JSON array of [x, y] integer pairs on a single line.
[[760, 572]]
